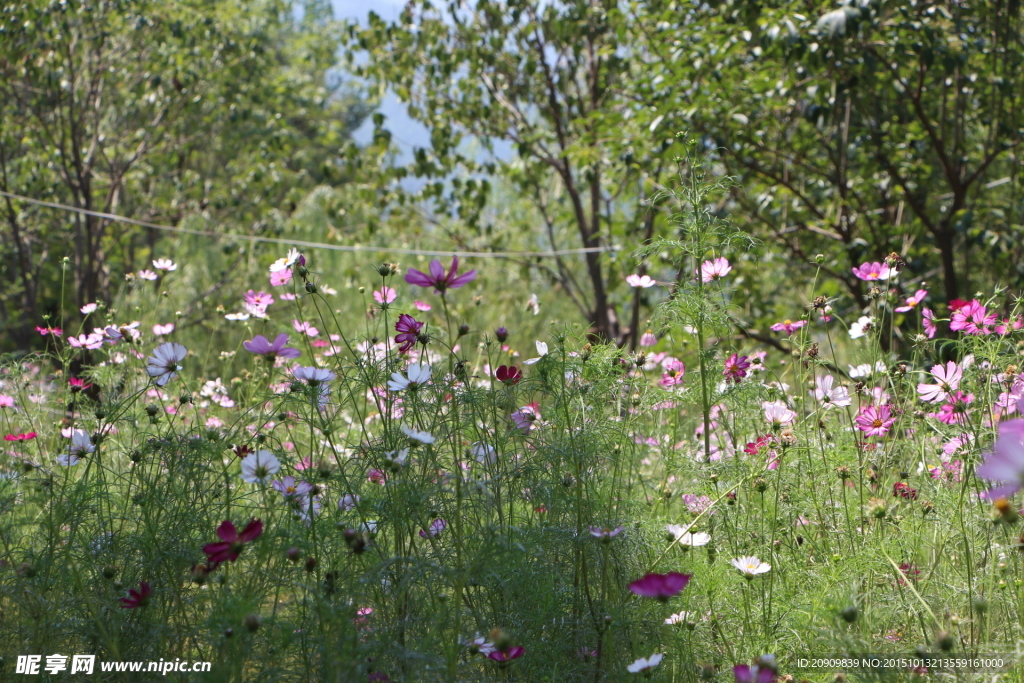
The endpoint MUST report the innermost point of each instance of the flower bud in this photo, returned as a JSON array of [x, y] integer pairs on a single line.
[[501, 334], [252, 622]]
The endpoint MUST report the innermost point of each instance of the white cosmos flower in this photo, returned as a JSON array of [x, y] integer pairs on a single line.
[[237, 316], [416, 435], [163, 365], [80, 445], [678, 618], [683, 536], [286, 262], [751, 566], [861, 327], [484, 453], [258, 467], [542, 350], [415, 376], [348, 502], [165, 264], [647, 664]]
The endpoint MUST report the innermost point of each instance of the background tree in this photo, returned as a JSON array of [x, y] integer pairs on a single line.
[[229, 111]]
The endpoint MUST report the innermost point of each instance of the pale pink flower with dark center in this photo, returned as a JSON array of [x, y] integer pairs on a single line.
[[438, 278], [829, 394], [1009, 325], [947, 378], [913, 301], [281, 277], [259, 299], [260, 345], [163, 365], [875, 420], [776, 413], [954, 411], [147, 275], [605, 533], [873, 271], [712, 270], [305, 328]]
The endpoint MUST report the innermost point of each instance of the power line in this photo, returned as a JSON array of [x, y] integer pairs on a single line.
[[310, 245]]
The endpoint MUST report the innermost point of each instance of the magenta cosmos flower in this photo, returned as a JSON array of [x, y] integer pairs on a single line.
[[262, 346], [736, 368], [438, 279], [660, 586], [408, 329], [875, 420], [744, 673], [928, 321], [137, 598], [873, 271], [788, 326], [675, 370], [972, 318], [508, 655], [1005, 463], [231, 541]]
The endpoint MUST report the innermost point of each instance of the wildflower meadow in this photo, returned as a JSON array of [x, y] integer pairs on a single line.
[[547, 341]]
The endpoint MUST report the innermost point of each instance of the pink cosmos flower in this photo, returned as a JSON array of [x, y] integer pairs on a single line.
[[137, 598], [641, 281], [1009, 325], [660, 586], [438, 279], [875, 420], [162, 330], [260, 345], [408, 328], [913, 301], [947, 378], [87, 341], [385, 295], [744, 673], [231, 541], [305, 328], [788, 326], [164, 364], [525, 417], [422, 306], [955, 410], [712, 270], [675, 370], [281, 277], [313, 376], [873, 271], [55, 331], [165, 264], [648, 339], [736, 368], [928, 321], [89, 308], [972, 318], [1005, 463], [261, 299], [696, 504], [436, 527], [289, 488]]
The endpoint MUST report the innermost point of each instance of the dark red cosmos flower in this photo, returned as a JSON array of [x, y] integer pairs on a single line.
[[20, 437], [660, 586], [508, 374], [137, 598], [438, 279], [232, 542], [957, 304], [901, 490], [409, 329], [508, 655]]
